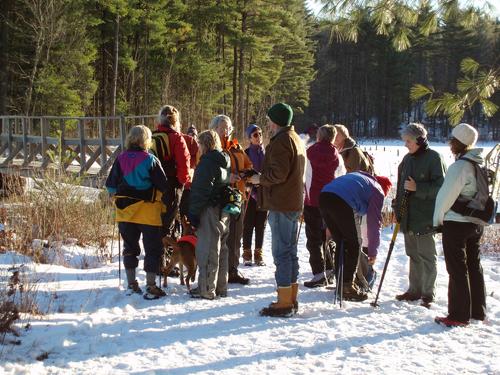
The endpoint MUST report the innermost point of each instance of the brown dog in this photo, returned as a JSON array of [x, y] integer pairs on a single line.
[[183, 253]]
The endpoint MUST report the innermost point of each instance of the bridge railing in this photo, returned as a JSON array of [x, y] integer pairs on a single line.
[[89, 144]]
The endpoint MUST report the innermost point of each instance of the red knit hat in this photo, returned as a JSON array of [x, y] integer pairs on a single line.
[[384, 183]]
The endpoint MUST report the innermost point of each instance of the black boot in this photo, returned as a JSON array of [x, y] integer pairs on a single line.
[[237, 278]]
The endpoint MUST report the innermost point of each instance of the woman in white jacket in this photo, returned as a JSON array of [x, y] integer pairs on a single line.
[[461, 236]]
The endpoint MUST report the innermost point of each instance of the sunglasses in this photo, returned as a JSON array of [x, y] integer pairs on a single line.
[[256, 134]]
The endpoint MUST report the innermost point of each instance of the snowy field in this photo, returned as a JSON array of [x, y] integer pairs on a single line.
[[93, 328]]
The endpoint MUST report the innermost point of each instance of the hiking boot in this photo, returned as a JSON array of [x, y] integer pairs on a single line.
[[351, 293], [445, 321], [247, 257], [257, 258], [222, 294], [426, 302], [284, 308], [133, 288], [195, 293], [330, 276], [317, 281], [237, 278], [407, 296], [153, 292], [295, 292]]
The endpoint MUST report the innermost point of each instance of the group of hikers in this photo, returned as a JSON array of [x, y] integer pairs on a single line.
[[227, 194]]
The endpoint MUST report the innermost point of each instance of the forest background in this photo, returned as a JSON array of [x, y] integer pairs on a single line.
[[354, 65]]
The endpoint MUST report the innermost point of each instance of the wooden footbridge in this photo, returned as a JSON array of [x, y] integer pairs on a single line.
[[86, 146]]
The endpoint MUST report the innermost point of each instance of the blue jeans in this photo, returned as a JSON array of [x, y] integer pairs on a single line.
[[284, 227]]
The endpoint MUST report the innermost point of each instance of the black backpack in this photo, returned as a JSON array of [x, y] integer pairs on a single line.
[[161, 149], [481, 208]]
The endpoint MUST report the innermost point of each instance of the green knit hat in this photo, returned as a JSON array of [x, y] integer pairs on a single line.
[[281, 114]]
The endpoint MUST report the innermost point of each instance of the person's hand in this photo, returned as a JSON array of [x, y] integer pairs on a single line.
[[371, 260], [410, 184], [255, 179], [234, 178]]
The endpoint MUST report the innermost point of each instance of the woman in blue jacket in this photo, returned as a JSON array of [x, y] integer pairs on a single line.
[[340, 201], [137, 183]]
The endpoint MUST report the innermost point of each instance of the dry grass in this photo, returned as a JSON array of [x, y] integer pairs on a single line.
[[54, 209], [490, 242]]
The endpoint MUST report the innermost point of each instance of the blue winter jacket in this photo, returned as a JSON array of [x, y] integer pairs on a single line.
[[364, 195]]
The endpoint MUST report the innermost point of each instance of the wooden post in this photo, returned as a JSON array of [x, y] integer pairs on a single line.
[[81, 133], [43, 135], [123, 132], [9, 132], [25, 139], [102, 137]]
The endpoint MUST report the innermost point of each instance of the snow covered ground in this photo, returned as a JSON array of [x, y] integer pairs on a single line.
[[93, 328]]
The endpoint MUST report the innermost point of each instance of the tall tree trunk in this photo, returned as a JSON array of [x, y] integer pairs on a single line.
[[4, 53], [235, 81], [115, 69], [241, 73]]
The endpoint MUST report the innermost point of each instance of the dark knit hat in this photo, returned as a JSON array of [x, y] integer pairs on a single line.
[[281, 114], [250, 129]]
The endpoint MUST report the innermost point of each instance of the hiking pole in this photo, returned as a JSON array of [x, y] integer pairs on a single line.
[[402, 210], [342, 251], [119, 259], [339, 276]]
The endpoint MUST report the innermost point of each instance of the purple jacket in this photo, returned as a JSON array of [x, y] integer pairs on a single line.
[[364, 195], [256, 155]]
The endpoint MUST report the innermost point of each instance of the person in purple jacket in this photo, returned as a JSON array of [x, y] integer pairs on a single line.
[[340, 201], [323, 165], [254, 217]]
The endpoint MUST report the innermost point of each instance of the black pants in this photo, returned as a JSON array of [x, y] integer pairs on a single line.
[[254, 218], [174, 194], [151, 240], [466, 291], [184, 204], [339, 218], [315, 233]]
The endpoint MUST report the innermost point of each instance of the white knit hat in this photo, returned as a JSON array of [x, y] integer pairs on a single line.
[[465, 133]]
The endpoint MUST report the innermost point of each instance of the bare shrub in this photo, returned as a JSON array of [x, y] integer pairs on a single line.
[[8, 315], [18, 300], [57, 208]]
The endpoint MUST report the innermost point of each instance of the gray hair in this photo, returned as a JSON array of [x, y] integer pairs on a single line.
[[414, 130], [219, 119], [327, 133]]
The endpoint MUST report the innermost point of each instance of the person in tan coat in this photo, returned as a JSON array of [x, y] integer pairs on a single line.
[[281, 192]]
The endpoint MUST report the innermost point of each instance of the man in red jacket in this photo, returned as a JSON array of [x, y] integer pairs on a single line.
[[175, 160]]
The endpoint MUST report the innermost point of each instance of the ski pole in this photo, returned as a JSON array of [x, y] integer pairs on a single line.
[[119, 258], [341, 272], [339, 275], [391, 247], [402, 210]]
